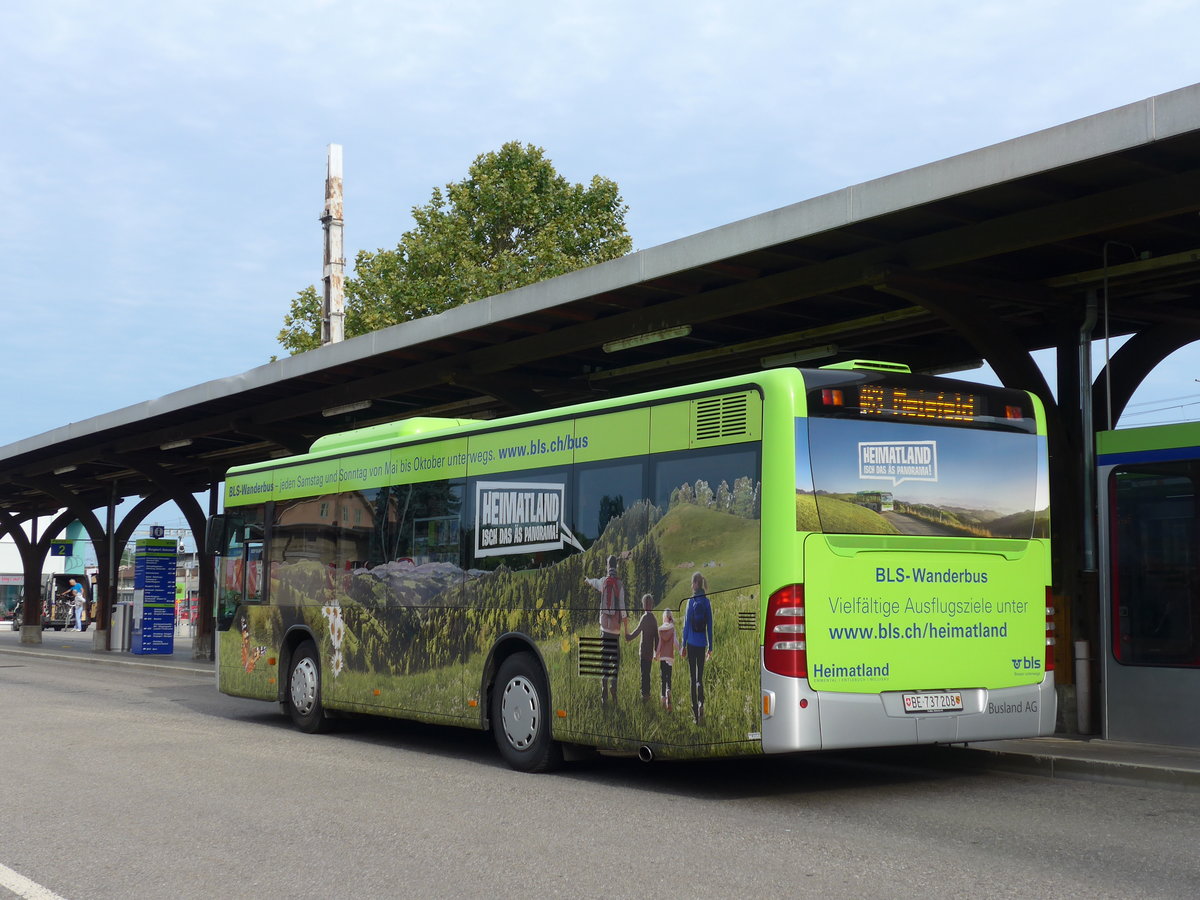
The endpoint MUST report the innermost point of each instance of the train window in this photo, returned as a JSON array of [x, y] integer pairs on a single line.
[[1155, 536]]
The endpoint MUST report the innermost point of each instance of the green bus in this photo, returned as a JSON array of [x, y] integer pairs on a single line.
[[682, 573], [878, 501]]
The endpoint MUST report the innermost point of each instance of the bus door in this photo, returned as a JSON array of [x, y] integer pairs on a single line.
[[239, 569], [240, 587]]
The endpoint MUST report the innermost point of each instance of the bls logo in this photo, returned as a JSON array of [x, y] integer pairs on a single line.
[[1027, 662]]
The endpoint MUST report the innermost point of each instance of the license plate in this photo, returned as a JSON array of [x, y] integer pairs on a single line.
[[933, 702]]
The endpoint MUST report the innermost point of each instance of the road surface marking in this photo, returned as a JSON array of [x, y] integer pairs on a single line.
[[23, 887]]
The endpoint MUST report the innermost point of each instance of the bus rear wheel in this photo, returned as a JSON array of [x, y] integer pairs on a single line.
[[521, 715], [304, 690]]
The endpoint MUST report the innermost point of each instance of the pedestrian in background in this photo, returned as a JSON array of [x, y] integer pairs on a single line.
[[75, 592]]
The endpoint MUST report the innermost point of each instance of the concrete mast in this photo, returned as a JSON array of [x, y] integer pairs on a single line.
[[333, 305]]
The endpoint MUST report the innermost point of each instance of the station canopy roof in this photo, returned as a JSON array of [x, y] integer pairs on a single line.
[[987, 255]]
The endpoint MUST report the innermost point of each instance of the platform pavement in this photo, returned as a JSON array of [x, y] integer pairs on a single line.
[[81, 647], [1118, 762], [1070, 757]]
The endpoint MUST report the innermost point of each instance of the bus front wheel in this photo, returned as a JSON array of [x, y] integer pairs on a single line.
[[304, 690], [521, 715]]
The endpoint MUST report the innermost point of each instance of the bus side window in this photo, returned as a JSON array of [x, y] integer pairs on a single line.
[[724, 478], [603, 492], [252, 573]]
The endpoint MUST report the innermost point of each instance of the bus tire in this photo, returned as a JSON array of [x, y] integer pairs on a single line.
[[304, 690], [521, 715]]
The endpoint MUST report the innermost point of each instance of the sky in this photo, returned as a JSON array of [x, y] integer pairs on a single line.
[[163, 164]]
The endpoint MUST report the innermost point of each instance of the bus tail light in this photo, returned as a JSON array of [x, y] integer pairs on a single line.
[[783, 645], [1050, 639]]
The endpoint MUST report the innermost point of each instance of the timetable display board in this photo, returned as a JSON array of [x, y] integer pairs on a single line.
[[154, 597]]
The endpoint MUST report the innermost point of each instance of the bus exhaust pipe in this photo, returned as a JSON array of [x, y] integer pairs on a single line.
[[645, 754]]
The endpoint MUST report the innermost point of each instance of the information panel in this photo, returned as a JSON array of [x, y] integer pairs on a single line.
[[154, 598]]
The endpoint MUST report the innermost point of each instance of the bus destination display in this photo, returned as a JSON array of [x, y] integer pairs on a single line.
[[912, 403]]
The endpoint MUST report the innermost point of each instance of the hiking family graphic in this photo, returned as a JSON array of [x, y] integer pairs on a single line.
[[656, 642]]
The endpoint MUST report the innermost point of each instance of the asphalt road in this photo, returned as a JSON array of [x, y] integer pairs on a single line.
[[122, 783]]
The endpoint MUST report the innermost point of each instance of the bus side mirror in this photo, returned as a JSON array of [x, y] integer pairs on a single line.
[[216, 534], [224, 528]]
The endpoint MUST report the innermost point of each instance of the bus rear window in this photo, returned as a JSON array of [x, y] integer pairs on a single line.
[[886, 477]]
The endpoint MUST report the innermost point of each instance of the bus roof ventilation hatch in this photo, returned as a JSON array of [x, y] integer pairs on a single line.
[[389, 430], [873, 365]]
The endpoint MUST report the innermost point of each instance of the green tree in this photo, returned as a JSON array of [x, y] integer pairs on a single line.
[[302, 325], [511, 222]]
